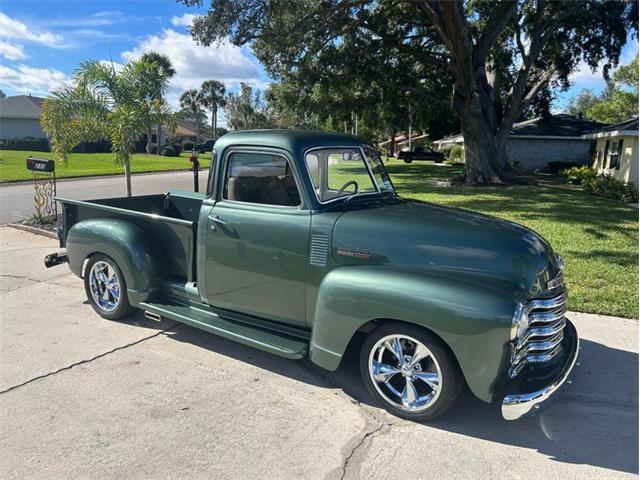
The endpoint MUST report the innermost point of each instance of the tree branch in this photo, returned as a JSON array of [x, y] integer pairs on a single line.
[[500, 17]]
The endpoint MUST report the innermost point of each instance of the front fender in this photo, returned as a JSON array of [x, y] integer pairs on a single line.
[[471, 316], [128, 244]]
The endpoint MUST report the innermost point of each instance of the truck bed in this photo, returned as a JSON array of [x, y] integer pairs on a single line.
[[170, 218]]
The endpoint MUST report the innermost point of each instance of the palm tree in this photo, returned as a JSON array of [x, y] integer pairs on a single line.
[[163, 71], [101, 103], [214, 95], [192, 100]]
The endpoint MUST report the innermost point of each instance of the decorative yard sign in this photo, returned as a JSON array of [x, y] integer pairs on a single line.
[[44, 182]]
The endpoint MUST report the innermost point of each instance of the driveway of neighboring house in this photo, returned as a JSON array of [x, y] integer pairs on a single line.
[[83, 397]]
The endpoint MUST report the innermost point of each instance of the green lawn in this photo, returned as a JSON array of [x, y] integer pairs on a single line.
[[13, 168], [597, 237]]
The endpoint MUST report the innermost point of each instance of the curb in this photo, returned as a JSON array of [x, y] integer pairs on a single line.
[[34, 230]]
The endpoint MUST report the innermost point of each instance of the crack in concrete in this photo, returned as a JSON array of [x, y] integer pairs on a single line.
[[24, 277], [345, 464], [89, 360]]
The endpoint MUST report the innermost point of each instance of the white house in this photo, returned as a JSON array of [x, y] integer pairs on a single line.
[[533, 144], [20, 117], [617, 151]]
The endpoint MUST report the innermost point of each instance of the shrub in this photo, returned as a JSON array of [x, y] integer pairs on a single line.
[[153, 148], [578, 175], [103, 146], [187, 145], [26, 143], [609, 187], [171, 150], [456, 155], [557, 167]]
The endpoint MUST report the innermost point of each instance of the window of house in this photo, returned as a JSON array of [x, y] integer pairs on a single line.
[[260, 178], [615, 152]]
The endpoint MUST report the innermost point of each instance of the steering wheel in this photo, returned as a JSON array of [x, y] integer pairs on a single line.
[[344, 187]]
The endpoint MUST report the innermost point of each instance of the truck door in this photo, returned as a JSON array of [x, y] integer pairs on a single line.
[[257, 238]]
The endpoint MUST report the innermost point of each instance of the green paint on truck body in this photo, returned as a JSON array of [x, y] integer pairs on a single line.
[[323, 271]]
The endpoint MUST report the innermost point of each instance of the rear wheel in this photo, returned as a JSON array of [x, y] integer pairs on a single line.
[[408, 160], [106, 289], [410, 372]]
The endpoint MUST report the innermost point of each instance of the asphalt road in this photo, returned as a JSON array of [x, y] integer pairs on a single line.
[[83, 397], [16, 200]]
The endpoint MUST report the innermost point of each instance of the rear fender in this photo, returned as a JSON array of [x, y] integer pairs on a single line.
[[472, 319], [128, 244]]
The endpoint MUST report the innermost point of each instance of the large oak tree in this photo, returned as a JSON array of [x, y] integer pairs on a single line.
[[496, 55]]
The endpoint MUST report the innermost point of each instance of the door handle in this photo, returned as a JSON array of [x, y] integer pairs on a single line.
[[216, 219]]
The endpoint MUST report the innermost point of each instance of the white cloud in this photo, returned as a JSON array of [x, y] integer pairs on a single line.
[[183, 21], [11, 51], [195, 63], [26, 79], [583, 75], [10, 28]]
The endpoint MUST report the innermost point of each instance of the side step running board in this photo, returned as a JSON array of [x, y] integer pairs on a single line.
[[269, 340]]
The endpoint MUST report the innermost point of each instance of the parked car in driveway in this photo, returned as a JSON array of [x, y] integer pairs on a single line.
[[301, 244], [420, 153], [206, 146]]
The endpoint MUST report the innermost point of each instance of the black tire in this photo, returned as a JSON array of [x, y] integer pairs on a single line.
[[452, 381], [122, 308], [408, 160]]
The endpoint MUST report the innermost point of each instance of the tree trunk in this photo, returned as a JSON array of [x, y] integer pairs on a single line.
[[213, 124], [159, 137], [127, 175], [481, 152], [472, 102], [149, 135], [197, 130], [393, 142]]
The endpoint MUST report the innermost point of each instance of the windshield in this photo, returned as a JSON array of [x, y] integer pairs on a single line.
[[341, 172]]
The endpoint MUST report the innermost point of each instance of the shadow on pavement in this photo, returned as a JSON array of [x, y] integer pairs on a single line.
[[595, 422]]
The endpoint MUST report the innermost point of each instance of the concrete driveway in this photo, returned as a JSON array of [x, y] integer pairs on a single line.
[[83, 397]]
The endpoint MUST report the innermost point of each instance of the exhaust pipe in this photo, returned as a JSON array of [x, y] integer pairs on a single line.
[[152, 316], [54, 259]]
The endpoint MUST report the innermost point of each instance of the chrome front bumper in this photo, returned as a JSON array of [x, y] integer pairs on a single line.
[[515, 406]]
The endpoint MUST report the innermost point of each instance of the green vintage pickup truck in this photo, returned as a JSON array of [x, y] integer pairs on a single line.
[[302, 248]]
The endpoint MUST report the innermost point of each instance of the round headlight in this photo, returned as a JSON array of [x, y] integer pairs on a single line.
[[520, 322]]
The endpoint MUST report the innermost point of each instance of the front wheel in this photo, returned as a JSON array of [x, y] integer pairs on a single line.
[[410, 372], [106, 289]]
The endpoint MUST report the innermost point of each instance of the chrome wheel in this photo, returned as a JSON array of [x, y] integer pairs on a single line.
[[105, 286], [405, 373]]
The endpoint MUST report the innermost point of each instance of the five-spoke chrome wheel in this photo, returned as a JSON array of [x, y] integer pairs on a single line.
[[405, 373], [105, 286]]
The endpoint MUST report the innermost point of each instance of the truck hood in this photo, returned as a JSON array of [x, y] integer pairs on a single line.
[[412, 234]]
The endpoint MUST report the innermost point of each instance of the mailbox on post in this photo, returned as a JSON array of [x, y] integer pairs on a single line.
[[44, 182]]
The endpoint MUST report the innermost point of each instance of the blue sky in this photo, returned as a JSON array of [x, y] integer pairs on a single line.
[[41, 42]]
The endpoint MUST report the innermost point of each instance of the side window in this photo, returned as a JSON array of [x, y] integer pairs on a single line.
[[260, 178]]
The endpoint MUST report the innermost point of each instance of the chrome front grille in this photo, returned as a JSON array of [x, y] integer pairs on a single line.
[[543, 339]]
